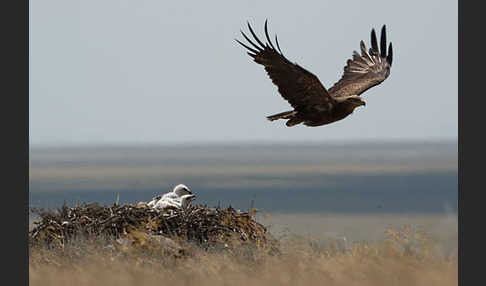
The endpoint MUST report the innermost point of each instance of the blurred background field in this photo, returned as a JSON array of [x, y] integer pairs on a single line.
[[367, 177]]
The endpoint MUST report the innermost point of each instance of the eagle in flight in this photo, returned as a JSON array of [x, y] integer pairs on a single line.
[[313, 104]]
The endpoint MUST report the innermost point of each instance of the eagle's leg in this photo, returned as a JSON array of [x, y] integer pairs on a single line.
[[294, 121]]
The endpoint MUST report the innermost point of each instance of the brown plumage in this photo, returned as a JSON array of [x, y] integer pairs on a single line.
[[313, 104]]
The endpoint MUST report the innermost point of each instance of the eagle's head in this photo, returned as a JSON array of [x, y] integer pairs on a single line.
[[181, 190], [351, 102], [355, 100]]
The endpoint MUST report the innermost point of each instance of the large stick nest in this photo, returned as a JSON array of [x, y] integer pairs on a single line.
[[207, 227]]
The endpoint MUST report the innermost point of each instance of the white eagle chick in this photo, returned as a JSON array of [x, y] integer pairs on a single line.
[[179, 203], [176, 193]]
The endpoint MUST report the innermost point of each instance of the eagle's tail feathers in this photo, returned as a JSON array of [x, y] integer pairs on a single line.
[[283, 115]]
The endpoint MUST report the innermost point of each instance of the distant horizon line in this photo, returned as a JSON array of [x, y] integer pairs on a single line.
[[245, 143]]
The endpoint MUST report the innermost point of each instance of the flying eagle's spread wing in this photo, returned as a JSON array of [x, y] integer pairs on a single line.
[[299, 87], [366, 70]]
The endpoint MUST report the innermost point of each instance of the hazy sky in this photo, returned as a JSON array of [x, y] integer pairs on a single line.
[[170, 71]]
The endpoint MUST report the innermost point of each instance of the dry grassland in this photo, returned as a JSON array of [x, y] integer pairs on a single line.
[[406, 256]]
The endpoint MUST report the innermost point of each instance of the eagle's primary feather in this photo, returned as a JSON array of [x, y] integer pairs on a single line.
[[366, 70], [313, 104]]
